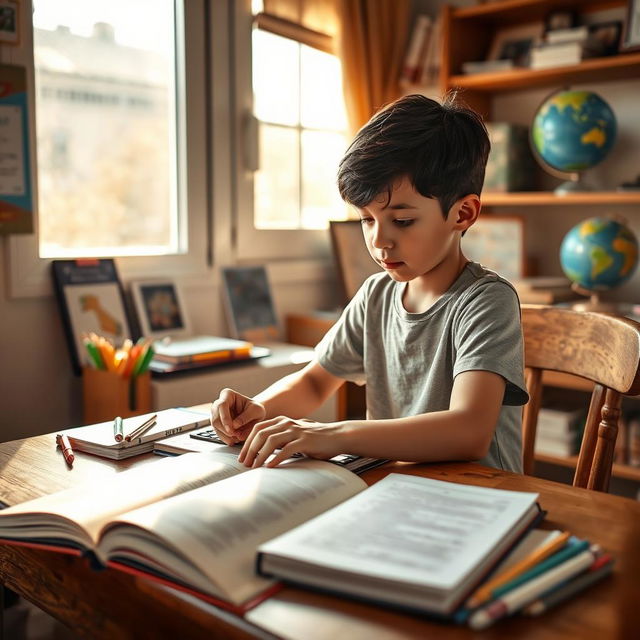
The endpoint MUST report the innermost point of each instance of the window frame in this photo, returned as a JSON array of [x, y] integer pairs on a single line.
[[252, 243], [29, 275]]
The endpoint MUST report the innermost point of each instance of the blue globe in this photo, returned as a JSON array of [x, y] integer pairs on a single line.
[[599, 254], [573, 130]]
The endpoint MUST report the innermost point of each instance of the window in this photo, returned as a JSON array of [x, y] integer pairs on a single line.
[[107, 128], [302, 133]]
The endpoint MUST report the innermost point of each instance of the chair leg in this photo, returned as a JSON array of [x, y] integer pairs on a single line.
[[605, 446], [589, 438]]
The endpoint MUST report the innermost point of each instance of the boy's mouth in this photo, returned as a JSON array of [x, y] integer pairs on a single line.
[[388, 264]]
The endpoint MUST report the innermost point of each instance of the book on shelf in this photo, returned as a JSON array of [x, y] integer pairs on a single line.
[[556, 54], [418, 43], [195, 522], [431, 57], [487, 66], [544, 290], [98, 439], [438, 542], [569, 34]]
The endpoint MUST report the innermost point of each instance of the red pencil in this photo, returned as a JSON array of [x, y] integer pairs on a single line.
[[63, 442]]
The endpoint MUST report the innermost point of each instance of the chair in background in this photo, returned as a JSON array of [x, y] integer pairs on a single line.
[[602, 348]]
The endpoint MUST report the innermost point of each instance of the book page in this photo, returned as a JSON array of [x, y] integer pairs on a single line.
[[79, 513], [408, 529], [208, 538]]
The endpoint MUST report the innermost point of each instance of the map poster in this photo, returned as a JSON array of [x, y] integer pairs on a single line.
[[16, 203]]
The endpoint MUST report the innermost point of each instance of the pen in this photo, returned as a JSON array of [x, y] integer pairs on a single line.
[[142, 428], [118, 429], [63, 442]]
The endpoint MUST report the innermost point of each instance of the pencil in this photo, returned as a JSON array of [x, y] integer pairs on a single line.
[[142, 428], [601, 568], [518, 598], [485, 592]]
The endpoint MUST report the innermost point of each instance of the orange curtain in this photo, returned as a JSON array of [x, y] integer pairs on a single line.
[[371, 42]]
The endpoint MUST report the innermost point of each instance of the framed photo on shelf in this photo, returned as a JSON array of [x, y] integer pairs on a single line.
[[248, 303], [160, 309], [9, 22], [352, 258], [515, 43], [90, 298], [497, 242], [608, 35], [631, 37]]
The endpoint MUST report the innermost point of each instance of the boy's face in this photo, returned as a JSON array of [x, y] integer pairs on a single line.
[[409, 237]]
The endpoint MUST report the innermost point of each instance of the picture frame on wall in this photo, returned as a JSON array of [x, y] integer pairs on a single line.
[[249, 304], [91, 299], [498, 243], [160, 309], [631, 35], [9, 22]]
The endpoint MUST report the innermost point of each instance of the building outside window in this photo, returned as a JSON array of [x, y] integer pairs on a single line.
[[107, 128]]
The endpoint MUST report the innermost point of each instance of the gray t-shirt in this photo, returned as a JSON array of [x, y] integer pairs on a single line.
[[409, 360]]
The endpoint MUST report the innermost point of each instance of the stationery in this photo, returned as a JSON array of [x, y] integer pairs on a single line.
[[63, 442], [521, 596], [118, 429], [143, 428]]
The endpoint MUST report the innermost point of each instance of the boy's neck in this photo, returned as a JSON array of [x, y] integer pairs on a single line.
[[422, 292]]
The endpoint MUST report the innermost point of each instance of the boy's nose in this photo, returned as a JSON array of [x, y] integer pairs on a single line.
[[379, 239]]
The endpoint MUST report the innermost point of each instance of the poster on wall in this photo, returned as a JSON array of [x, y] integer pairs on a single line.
[[16, 203]]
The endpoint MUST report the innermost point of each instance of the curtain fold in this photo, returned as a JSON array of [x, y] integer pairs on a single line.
[[371, 41]]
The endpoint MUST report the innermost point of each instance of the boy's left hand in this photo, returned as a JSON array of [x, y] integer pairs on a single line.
[[314, 439]]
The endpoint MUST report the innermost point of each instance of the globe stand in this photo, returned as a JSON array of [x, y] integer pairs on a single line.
[[594, 303], [572, 185]]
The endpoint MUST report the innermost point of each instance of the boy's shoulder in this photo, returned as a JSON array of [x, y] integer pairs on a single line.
[[478, 280]]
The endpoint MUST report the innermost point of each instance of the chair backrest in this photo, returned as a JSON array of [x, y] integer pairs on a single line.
[[600, 347]]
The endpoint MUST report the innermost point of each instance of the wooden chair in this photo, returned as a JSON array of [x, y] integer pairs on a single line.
[[600, 347]]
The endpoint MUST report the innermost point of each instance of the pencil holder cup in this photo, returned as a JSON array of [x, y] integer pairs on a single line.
[[107, 395]]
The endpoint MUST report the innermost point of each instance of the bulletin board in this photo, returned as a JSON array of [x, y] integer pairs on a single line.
[[16, 205]]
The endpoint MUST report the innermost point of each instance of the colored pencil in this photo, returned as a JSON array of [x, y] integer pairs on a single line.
[[600, 569]]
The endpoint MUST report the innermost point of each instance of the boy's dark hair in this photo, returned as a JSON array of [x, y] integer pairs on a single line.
[[442, 148]]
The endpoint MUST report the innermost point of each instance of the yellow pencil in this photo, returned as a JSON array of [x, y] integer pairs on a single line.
[[484, 592]]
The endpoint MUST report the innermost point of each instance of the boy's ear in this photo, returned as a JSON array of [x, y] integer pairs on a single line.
[[466, 211]]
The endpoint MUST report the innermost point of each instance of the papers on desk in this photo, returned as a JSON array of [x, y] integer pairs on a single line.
[[98, 439]]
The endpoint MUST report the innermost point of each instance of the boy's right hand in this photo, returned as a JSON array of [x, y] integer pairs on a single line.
[[233, 416]]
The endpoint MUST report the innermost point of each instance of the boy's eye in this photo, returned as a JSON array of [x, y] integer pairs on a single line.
[[364, 221], [403, 222]]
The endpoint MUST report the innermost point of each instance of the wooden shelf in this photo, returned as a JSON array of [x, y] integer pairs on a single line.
[[593, 70], [544, 198], [619, 470], [510, 11]]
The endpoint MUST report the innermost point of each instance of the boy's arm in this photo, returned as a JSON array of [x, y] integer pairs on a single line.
[[463, 432]]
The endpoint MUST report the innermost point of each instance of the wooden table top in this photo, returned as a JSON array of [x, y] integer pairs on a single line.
[[84, 599]]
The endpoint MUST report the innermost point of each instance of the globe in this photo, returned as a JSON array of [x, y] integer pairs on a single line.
[[573, 131], [599, 254]]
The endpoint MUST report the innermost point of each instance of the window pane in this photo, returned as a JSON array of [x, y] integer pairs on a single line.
[[276, 78], [276, 186], [106, 127], [321, 202], [322, 101]]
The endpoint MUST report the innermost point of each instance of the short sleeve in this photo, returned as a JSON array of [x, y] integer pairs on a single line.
[[341, 350], [488, 337]]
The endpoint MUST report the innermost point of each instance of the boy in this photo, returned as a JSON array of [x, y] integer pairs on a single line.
[[436, 338]]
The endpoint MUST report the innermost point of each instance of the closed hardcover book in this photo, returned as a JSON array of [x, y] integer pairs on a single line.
[[407, 542], [201, 348]]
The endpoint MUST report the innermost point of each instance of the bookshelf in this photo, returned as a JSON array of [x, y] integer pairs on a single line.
[[543, 198]]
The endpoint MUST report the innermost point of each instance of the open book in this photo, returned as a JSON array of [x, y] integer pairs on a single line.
[[196, 521], [407, 541], [193, 522]]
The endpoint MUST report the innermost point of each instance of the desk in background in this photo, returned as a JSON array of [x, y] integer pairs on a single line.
[[111, 604]]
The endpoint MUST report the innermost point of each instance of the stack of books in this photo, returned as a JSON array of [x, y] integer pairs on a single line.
[[559, 431], [544, 290], [565, 47]]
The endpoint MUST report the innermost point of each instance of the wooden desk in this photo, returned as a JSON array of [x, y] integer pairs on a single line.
[[109, 604]]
